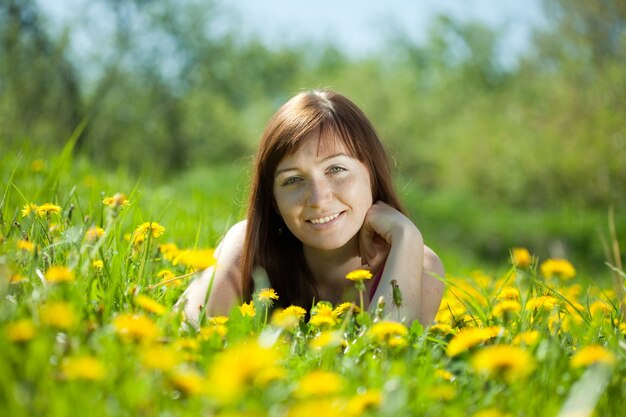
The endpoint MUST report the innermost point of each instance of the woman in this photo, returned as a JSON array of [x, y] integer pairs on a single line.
[[321, 205]]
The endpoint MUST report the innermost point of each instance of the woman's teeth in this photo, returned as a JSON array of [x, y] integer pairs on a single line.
[[326, 219]]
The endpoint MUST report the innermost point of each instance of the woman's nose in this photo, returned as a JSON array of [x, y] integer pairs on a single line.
[[319, 192]]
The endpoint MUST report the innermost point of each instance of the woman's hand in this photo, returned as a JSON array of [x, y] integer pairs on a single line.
[[382, 226]]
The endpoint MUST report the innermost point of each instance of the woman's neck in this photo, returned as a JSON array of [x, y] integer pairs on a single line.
[[330, 266]]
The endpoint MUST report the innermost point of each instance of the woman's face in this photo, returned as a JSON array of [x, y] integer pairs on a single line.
[[322, 193]]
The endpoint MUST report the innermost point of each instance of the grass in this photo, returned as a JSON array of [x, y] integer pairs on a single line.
[[531, 338]]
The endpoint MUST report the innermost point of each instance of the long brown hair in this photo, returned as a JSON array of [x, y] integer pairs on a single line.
[[268, 243]]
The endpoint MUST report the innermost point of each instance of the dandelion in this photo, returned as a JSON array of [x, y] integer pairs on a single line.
[[97, 264], [247, 309], [20, 331], [542, 302], [442, 392], [147, 229], [239, 368], [136, 328], [491, 412], [289, 317], [169, 251], [188, 382], [29, 208], [528, 338], [326, 339], [150, 305], [85, 368], [590, 355], [26, 246], [389, 333], [47, 209], [557, 268], [322, 314], [470, 337], [94, 233], [267, 295], [117, 201], [358, 276], [521, 257], [162, 358], [196, 259], [511, 362], [16, 279], [319, 383], [444, 374], [343, 308], [57, 273], [217, 320], [508, 293], [442, 328], [361, 403], [600, 309], [506, 308], [59, 315]]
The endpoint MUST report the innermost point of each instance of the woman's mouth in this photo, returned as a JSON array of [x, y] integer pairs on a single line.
[[325, 219]]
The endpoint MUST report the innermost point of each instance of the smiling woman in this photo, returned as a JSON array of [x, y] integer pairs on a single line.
[[321, 205]]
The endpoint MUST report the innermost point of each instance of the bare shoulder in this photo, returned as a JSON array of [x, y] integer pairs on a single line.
[[432, 263], [231, 246]]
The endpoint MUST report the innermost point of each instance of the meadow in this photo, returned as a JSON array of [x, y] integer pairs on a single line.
[[92, 262]]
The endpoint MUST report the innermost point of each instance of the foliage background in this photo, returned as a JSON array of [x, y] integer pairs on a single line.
[[487, 156]]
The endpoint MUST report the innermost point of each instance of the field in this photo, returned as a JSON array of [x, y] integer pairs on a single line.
[[91, 264]]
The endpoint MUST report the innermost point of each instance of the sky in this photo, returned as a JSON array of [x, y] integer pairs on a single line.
[[358, 28]]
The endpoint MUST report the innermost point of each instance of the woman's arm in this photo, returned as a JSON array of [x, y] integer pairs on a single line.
[[406, 260], [224, 280]]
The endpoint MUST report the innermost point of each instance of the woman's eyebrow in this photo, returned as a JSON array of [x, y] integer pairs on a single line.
[[340, 154]]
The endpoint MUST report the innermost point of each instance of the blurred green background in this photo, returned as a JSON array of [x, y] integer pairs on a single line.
[[488, 154]]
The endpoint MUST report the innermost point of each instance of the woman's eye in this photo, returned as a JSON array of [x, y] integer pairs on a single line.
[[335, 169], [291, 180]]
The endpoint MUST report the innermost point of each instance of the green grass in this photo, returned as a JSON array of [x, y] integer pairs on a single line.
[[94, 343]]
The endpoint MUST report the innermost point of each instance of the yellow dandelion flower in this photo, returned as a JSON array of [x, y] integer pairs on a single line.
[[27, 209], [162, 358], [445, 374], [491, 412], [169, 251], [16, 279], [622, 328], [442, 328], [521, 257], [58, 273], [359, 275], [136, 328], [85, 368], [188, 382], [266, 295], [186, 343], [47, 209], [343, 308], [470, 337], [326, 339], [560, 268], [247, 309], [209, 332], [322, 314], [600, 309], [217, 320], [94, 233], [508, 293], [528, 338], [150, 305], [511, 362], [368, 401], [289, 317], [118, 200], [319, 383], [590, 355], [196, 259], [505, 308], [37, 165], [542, 302], [21, 330], [26, 246], [147, 229], [442, 392], [327, 407], [388, 332], [97, 264], [58, 314], [234, 371]]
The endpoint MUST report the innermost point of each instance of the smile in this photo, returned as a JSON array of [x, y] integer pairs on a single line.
[[322, 220]]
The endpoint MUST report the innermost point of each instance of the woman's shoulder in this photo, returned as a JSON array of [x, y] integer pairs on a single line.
[[432, 262], [231, 245]]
